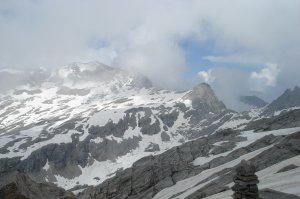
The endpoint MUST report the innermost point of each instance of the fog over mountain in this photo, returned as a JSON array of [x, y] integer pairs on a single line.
[[87, 128], [240, 48]]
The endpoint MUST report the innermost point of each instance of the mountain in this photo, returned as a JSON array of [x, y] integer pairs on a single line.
[[88, 117], [20, 186], [203, 97], [253, 101], [108, 133], [290, 99], [10, 79]]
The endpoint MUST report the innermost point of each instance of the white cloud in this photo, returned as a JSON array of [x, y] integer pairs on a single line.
[[206, 76], [265, 77], [144, 35], [236, 58]]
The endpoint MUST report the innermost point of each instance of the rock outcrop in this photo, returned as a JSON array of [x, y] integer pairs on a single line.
[[272, 194], [288, 119], [20, 186], [204, 98], [246, 181], [152, 174]]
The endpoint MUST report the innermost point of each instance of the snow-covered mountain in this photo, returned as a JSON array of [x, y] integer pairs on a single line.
[[87, 123], [86, 118]]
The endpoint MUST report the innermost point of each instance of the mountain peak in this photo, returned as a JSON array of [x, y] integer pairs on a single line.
[[253, 101], [100, 73], [203, 96], [77, 69], [289, 99], [203, 91]]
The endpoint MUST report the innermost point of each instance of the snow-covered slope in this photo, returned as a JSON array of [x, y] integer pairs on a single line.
[[268, 176], [205, 167], [83, 123]]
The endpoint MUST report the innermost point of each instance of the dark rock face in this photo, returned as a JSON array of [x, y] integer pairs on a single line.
[[148, 128], [204, 98], [246, 181], [20, 186], [253, 101], [284, 120], [272, 194], [11, 191], [164, 137], [152, 147], [151, 174], [169, 118], [290, 98], [146, 123]]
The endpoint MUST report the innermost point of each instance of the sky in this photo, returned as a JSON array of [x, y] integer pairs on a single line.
[[239, 47]]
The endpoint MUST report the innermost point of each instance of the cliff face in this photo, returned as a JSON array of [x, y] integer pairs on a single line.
[[20, 186], [203, 97], [289, 99]]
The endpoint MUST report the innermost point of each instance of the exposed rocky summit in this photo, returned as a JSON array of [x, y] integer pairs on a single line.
[[288, 119], [253, 101], [203, 97]]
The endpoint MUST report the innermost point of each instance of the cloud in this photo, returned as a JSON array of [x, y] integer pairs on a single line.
[[266, 77], [206, 76], [144, 36], [229, 84], [236, 58]]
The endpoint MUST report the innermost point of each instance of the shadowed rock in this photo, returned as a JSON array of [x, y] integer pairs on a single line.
[[20, 186], [272, 194], [246, 181]]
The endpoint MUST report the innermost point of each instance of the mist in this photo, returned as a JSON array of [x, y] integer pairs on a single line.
[[255, 44]]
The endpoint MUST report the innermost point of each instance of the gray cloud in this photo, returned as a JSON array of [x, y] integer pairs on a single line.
[[144, 36]]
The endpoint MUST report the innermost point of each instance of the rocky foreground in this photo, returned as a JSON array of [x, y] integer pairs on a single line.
[[179, 173], [20, 186]]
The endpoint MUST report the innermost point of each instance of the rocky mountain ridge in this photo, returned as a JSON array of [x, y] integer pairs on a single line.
[[22, 187], [79, 128], [73, 123], [150, 176], [253, 101]]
